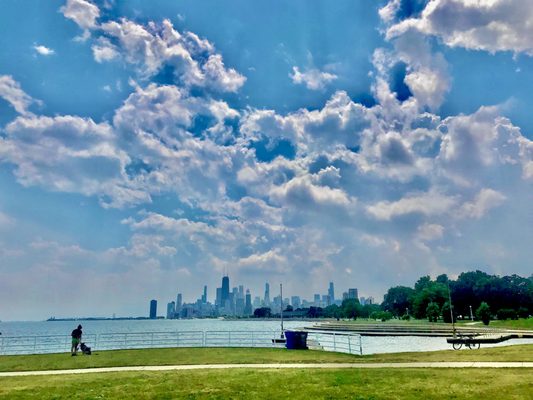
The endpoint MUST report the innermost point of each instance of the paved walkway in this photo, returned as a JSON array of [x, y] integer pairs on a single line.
[[476, 364]]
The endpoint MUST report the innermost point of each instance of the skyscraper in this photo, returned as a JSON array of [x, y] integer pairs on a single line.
[[331, 293], [248, 306], [218, 301], [179, 302], [267, 295], [225, 290], [352, 293], [295, 301], [204, 296], [153, 309], [171, 310]]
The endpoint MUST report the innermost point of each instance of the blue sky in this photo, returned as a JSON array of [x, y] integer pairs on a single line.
[[146, 148]]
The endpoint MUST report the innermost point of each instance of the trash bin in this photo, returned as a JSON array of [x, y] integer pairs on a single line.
[[296, 340]]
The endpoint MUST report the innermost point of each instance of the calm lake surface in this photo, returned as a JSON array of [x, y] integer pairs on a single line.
[[370, 344]]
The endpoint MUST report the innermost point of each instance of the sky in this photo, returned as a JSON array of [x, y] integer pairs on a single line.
[[148, 148]]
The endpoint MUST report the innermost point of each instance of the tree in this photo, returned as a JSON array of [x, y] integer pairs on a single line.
[[288, 308], [315, 312], [398, 299], [351, 308], [432, 312], [446, 314], [483, 313], [382, 315], [430, 292], [332, 311], [422, 283], [263, 312]]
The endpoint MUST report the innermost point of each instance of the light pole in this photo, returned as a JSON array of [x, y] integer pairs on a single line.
[[471, 315]]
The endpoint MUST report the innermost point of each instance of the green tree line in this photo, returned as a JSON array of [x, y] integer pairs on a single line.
[[478, 293]]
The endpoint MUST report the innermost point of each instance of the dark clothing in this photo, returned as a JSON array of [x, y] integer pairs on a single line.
[[76, 334]]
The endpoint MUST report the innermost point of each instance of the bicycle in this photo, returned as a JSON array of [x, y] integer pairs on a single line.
[[469, 344]]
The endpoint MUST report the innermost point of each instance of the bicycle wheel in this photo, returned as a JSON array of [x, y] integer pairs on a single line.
[[457, 346], [474, 346]]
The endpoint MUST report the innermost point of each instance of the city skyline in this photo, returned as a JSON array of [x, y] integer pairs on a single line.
[[236, 303], [151, 146]]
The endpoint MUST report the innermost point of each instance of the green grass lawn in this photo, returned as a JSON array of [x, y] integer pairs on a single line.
[[388, 384], [522, 323], [176, 356]]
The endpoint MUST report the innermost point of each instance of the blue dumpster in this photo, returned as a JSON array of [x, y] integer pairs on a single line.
[[296, 340]]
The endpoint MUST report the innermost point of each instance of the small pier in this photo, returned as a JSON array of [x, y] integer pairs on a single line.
[[488, 338], [482, 334]]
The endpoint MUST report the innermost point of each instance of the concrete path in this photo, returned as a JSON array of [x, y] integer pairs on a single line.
[[476, 364]]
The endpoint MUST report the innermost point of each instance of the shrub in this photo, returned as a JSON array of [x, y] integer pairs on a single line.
[[432, 312], [382, 315], [446, 314], [483, 313], [506, 313]]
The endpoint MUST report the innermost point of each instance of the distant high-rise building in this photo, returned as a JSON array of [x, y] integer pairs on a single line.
[[171, 310], [266, 301], [179, 302], [352, 293], [257, 302], [218, 301], [362, 301], [248, 305], [331, 293], [225, 290], [275, 305], [204, 296], [325, 300], [370, 300], [239, 307], [317, 300], [344, 295], [241, 291], [295, 301], [153, 309]]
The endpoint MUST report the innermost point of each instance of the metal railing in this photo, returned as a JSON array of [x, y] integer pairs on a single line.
[[328, 341], [341, 342]]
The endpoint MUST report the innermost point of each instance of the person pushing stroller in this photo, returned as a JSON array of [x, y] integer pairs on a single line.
[[76, 340]]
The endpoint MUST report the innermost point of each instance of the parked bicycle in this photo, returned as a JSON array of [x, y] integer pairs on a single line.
[[467, 340]]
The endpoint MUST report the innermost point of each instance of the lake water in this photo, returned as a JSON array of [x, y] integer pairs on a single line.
[[370, 344]]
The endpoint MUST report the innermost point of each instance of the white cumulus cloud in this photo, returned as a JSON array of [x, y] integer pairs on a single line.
[[490, 25], [312, 78], [11, 92], [43, 50]]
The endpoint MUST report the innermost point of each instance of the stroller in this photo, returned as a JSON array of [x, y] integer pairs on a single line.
[[85, 349]]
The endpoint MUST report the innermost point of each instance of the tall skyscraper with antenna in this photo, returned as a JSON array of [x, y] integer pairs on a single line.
[[267, 295], [225, 290], [331, 294]]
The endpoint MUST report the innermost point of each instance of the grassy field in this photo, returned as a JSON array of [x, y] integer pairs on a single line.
[[278, 384], [513, 324], [176, 356]]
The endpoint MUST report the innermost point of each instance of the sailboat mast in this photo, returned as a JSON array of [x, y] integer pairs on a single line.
[[281, 302]]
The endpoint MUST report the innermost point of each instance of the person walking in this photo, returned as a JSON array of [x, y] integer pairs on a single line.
[[76, 340]]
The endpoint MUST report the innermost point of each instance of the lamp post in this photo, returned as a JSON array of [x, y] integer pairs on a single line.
[[471, 315]]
